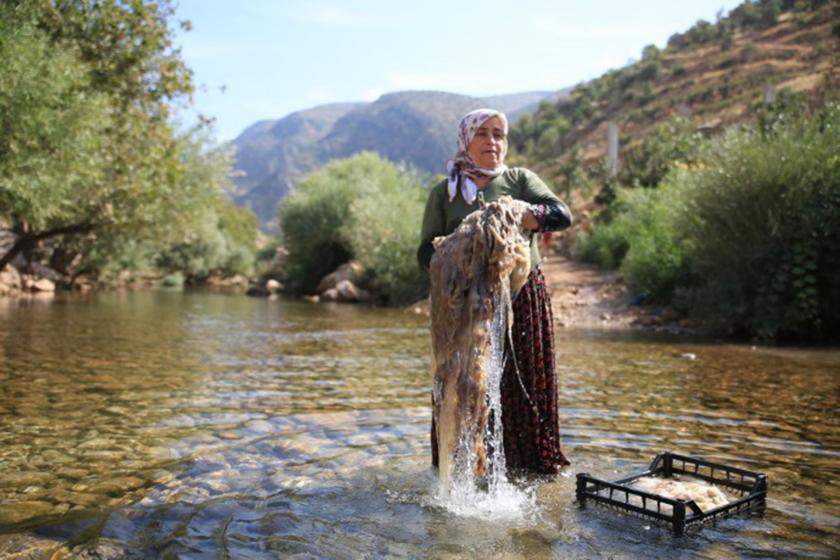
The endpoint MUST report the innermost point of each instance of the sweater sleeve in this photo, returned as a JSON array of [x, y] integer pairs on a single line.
[[434, 225], [551, 212]]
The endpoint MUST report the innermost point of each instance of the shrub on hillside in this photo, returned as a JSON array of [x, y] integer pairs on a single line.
[[646, 164]]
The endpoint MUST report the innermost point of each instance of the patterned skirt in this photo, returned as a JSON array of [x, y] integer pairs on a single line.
[[529, 386]]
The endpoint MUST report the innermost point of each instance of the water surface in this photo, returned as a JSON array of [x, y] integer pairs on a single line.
[[208, 425]]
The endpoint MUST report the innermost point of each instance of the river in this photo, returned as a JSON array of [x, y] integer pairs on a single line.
[[166, 424]]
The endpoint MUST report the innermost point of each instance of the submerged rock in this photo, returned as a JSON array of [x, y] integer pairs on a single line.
[[17, 512], [22, 479], [18, 546]]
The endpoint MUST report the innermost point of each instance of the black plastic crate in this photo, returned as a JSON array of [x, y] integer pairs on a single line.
[[751, 487]]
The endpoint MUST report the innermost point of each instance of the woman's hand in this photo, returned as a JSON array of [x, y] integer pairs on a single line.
[[530, 222]]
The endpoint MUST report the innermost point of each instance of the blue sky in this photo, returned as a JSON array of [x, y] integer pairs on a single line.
[[263, 59]]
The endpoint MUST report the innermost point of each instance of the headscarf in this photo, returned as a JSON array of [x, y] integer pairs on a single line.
[[462, 169]]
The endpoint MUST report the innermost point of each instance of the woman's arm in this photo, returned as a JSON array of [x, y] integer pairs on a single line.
[[434, 225], [547, 212]]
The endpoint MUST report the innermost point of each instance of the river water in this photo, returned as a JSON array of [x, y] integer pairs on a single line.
[[211, 425]]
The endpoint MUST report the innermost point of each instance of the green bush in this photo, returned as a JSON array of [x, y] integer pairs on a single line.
[[210, 249], [764, 226], [605, 246], [384, 238], [643, 238], [361, 208]]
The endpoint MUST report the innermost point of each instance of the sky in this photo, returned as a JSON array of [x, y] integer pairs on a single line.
[[263, 59]]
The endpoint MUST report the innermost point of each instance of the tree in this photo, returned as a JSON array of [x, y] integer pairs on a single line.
[[52, 138], [769, 12], [85, 101], [221, 238]]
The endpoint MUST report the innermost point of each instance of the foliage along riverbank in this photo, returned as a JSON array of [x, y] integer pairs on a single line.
[[96, 183], [741, 230]]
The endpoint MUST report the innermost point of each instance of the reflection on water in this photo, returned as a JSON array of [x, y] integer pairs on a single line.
[[202, 425]]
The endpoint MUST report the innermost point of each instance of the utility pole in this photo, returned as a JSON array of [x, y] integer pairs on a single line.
[[612, 149]]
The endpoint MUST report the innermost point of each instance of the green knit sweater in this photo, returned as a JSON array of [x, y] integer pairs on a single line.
[[442, 217]]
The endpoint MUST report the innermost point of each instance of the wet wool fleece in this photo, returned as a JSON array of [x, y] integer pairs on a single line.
[[472, 271], [529, 382]]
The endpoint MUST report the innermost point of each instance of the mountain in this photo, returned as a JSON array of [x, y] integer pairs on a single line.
[[417, 127], [272, 155]]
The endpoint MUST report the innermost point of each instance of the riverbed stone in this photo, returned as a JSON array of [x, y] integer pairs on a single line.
[[17, 512], [19, 546], [228, 435], [106, 455], [52, 457], [159, 453], [23, 479], [84, 499], [101, 549], [120, 485], [260, 426], [71, 472], [34, 492], [97, 443]]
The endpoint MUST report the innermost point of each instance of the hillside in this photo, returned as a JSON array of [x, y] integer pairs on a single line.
[[712, 74], [414, 127]]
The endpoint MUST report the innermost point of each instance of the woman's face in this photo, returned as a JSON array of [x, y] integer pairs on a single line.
[[489, 144]]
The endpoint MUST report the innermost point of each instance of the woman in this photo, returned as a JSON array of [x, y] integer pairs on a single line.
[[476, 173]]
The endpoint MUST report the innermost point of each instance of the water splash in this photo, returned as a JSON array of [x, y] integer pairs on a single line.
[[493, 496]]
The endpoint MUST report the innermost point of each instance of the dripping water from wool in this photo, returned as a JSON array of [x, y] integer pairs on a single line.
[[474, 273]]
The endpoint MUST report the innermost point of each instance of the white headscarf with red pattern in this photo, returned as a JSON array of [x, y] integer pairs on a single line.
[[462, 168]]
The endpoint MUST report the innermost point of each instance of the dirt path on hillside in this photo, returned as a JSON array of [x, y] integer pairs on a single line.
[[585, 296]]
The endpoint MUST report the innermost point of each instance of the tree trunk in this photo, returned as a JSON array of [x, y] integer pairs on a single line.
[[27, 241]]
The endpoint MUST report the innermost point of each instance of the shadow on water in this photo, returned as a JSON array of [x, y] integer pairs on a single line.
[[166, 424]]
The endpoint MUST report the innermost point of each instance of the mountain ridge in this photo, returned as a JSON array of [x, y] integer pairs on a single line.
[[415, 127]]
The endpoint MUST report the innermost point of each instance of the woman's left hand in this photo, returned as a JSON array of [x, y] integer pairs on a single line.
[[529, 222]]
